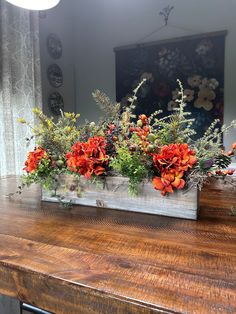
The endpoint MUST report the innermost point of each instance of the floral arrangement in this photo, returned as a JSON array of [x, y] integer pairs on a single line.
[[141, 148]]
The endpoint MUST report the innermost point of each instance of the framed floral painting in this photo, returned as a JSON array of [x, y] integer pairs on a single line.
[[198, 61]]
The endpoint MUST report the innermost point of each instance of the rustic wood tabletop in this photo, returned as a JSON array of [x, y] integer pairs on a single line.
[[93, 260]]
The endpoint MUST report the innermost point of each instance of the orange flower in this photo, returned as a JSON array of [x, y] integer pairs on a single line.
[[34, 159], [168, 181], [88, 158], [172, 163], [234, 145], [175, 156]]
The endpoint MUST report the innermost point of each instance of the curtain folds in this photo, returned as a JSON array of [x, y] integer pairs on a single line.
[[20, 83]]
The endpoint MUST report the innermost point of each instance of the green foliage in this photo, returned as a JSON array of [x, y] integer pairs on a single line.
[[58, 139], [127, 115], [175, 128], [55, 137], [45, 175], [90, 129], [209, 150], [130, 165], [210, 144], [110, 110]]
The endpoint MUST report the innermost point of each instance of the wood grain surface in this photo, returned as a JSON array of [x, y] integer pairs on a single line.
[[88, 260]]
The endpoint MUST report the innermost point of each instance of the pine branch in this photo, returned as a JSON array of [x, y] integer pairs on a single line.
[[110, 110]]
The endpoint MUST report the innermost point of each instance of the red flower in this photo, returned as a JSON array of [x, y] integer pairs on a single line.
[[89, 157], [172, 162], [34, 159]]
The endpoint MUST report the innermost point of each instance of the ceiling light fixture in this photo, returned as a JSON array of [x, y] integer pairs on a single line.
[[35, 4]]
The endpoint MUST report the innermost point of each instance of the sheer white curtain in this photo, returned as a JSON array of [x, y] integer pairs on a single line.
[[20, 83]]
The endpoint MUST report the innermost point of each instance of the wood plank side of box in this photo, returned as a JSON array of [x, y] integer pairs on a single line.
[[113, 193]]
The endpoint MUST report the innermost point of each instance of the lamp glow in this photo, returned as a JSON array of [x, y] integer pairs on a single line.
[[35, 4]]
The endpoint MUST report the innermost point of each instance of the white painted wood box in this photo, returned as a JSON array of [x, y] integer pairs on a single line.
[[113, 193]]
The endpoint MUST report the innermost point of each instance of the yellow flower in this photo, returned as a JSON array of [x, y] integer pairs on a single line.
[[21, 120], [67, 115], [36, 111], [49, 123]]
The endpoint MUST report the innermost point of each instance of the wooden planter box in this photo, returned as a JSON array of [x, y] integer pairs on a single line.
[[113, 193]]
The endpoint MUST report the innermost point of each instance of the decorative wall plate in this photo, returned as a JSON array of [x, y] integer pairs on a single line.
[[55, 76], [55, 103], [54, 46]]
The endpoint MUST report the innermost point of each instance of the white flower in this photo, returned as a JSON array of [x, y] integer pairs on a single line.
[[205, 98], [209, 83], [213, 83], [189, 94]]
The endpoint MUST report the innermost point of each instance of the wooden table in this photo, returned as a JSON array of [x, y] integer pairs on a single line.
[[88, 260]]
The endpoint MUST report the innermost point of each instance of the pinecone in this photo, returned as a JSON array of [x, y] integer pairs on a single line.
[[222, 161]]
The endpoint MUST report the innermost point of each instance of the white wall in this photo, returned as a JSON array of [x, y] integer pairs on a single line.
[[59, 21], [102, 25]]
